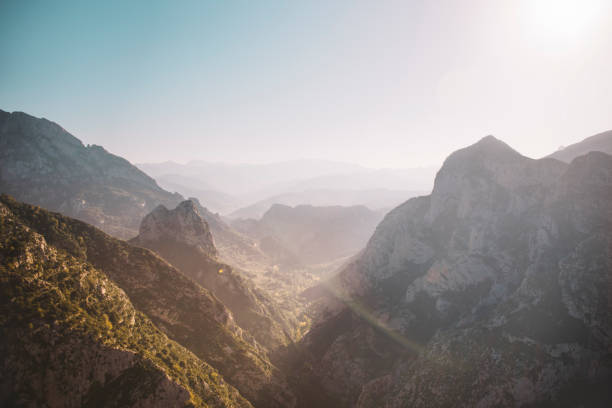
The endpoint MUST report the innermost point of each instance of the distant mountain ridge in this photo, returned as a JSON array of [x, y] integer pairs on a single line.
[[312, 234], [42, 164], [373, 199], [248, 190], [601, 142]]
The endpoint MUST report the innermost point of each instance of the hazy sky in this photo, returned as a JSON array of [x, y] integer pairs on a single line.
[[381, 83]]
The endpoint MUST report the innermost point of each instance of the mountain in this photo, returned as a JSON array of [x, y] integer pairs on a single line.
[[373, 199], [248, 190], [216, 201], [492, 291], [184, 239], [313, 235], [42, 164], [601, 142], [71, 337], [174, 305], [233, 247], [241, 179]]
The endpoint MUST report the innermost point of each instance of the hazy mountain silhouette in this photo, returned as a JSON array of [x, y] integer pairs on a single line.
[[314, 234], [373, 199], [42, 164], [248, 190], [601, 142]]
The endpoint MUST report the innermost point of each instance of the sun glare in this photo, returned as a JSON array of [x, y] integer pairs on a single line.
[[563, 19]]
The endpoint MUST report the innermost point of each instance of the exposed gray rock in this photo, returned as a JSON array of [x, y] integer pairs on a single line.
[[181, 224], [495, 290]]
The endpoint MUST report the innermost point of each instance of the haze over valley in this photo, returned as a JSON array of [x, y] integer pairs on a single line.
[[296, 205]]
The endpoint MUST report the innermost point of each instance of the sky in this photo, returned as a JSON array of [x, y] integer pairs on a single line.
[[378, 83]]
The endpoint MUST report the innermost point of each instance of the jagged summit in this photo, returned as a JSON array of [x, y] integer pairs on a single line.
[[182, 224]]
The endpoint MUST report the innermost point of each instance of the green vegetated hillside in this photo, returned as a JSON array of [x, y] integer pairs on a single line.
[[172, 303], [71, 336]]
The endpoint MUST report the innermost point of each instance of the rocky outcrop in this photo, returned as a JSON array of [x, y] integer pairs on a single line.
[[233, 247], [183, 238], [182, 224], [43, 164], [492, 291]]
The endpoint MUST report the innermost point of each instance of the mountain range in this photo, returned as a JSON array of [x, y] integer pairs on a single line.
[[493, 290], [312, 235], [249, 190]]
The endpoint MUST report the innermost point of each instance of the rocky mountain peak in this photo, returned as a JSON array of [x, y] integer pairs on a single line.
[[182, 224], [482, 175]]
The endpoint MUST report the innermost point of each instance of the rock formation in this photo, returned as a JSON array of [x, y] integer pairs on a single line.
[[492, 291]]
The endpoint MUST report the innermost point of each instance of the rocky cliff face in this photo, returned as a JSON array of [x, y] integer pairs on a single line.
[[42, 164], [182, 224], [493, 291], [232, 246], [183, 238]]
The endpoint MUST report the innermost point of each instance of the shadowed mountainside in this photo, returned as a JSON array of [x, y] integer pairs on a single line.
[[42, 164]]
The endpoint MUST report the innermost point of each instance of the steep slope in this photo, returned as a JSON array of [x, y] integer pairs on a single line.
[[601, 142], [181, 309], [42, 164], [233, 247], [183, 238], [72, 338], [493, 291], [315, 234]]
